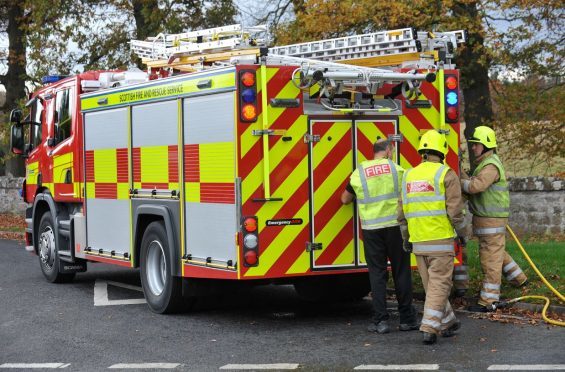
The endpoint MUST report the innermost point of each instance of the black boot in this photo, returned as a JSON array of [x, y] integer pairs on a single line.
[[450, 331], [429, 338]]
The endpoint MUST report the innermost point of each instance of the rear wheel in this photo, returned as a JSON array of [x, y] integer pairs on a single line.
[[163, 291], [48, 251]]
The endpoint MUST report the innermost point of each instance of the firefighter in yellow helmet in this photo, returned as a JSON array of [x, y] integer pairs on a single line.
[[376, 186], [431, 215], [489, 202]]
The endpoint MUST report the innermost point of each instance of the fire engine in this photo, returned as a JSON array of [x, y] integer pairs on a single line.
[[225, 160]]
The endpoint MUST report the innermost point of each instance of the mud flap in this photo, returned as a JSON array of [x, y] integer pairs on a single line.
[[79, 266]]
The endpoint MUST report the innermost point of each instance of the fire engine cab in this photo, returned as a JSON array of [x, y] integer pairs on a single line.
[[225, 161]]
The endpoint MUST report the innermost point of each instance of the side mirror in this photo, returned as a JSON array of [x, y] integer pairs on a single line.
[[16, 116], [17, 138]]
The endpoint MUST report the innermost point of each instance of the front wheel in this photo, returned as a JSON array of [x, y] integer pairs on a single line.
[[163, 291], [49, 252]]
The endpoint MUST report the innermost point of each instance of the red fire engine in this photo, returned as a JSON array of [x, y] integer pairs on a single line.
[[225, 161]]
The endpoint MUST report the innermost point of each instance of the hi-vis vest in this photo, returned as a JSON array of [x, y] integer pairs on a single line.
[[377, 187], [494, 201], [423, 203]]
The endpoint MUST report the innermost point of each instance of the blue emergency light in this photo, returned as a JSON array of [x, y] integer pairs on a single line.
[[50, 79]]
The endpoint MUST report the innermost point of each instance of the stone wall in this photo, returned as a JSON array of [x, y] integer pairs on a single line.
[[537, 203], [537, 206], [10, 199]]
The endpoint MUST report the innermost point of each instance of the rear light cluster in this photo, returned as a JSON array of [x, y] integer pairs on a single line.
[[247, 96], [250, 241], [451, 98]]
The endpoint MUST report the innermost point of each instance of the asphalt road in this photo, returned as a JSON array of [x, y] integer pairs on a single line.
[[60, 324]]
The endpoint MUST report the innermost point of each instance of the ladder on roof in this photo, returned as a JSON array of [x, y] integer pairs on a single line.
[[217, 39], [383, 48]]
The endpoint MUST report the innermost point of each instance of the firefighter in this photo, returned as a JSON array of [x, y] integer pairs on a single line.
[[430, 209], [375, 185], [489, 202]]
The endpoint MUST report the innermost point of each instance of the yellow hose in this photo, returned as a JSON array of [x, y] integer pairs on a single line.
[[555, 291]]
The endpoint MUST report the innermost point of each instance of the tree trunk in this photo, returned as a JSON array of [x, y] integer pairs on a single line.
[[144, 25], [474, 74], [14, 80]]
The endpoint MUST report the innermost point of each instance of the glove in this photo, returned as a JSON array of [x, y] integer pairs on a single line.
[[407, 246], [461, 240]]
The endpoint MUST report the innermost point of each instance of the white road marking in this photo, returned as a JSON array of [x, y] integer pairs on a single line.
[[101, 294], [526, 367], [398, 367], [34, 365], [145, 366], [278, 366]]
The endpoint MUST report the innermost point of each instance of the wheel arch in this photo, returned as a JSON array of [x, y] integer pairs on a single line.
[[143, 216], [43, 202]]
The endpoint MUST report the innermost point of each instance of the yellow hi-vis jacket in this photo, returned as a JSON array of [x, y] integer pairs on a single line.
[[423, 203], [377, 186]]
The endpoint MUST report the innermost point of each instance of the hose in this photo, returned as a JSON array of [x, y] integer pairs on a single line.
[[555, 291]]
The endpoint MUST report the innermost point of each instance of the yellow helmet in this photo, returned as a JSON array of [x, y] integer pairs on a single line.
[[433, 140], [485, 136]]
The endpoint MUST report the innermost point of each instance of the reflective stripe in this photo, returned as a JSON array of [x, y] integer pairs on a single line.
[[425, 199], [431, 323], [378, 198], [489, 230], [378, 220], [426, 213], [448, 318], [460, 269], [432, 312], [509, 266], [490, 295], [432, 247], [514, 274], [494, 287], [466, 184], [460, 277], [499, 188]]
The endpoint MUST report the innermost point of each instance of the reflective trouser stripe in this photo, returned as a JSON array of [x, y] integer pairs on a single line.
[[492, 296], [489, 230], [431, 323], [514, 274], [448, 318], [431, 312], [511, 265], [460, 277], [494, 287], [432, 247], [460, 269]]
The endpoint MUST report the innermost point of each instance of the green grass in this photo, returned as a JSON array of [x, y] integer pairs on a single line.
[[12, 228], [549, 258]]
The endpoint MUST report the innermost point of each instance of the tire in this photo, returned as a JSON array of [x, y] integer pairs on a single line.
[[163, 292], [48, 251]]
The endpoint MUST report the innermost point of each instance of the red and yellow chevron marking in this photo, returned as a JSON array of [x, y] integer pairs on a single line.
[[333, 221], [208, 169], [107, 174], [367, 133], [414, 122]]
